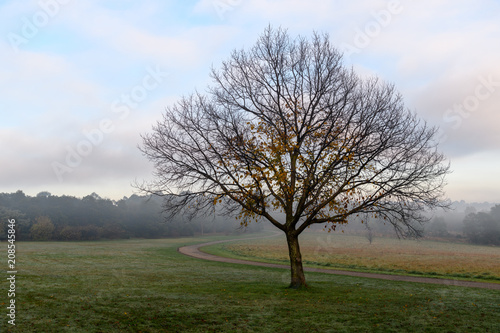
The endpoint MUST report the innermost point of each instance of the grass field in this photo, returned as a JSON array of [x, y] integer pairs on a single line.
[[384, 255], [147, 286]]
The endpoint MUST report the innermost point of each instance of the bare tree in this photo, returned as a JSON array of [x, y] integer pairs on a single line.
[[286, 128], [369, 232]]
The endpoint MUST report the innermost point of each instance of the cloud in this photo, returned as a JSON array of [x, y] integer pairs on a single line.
[[66, 79], [465, 106], [474, 177], [116, 32]]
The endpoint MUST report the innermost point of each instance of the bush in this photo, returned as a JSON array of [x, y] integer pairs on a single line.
[[43, 229], [70, 234], [438, 228]]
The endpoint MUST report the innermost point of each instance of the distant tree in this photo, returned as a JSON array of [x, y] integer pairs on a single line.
[[94, 196], [369, 232], [19, 195], [285, 127], [483, 228], [438, 227], [42, 229], [114, 231], [91, 232], [15, 201], [470, 210], [495, 212], [7, 214], [69, 233], [43, 194]]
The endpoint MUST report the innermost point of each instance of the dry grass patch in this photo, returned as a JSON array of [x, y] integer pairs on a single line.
[[384, 254]]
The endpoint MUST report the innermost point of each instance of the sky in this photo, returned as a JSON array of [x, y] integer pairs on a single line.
[[80, 81]]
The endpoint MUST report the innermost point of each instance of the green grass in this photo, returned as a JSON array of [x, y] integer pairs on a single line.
[[147, 286]]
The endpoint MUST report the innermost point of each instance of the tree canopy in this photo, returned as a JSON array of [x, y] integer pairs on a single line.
[[285, 127]]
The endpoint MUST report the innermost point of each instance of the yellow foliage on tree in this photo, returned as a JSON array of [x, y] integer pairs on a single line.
[[286, 128]]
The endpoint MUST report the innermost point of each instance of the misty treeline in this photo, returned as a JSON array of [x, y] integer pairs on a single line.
[[50, 217], [477, 223], [67, 218]]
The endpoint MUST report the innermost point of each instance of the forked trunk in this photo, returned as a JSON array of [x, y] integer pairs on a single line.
[[297, 271]]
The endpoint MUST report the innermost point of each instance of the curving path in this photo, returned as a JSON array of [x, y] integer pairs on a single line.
[[194, 251]]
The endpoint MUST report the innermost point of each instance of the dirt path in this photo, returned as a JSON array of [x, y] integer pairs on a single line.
[[194, 251]]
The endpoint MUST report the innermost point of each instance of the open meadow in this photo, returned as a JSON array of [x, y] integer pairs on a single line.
[[384, 255], [147, 286]]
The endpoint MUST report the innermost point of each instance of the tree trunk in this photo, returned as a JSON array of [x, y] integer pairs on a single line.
[[297, 271]]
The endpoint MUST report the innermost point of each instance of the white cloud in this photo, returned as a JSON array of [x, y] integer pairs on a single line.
[[474, 177], [112, 32], [67, 77]]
